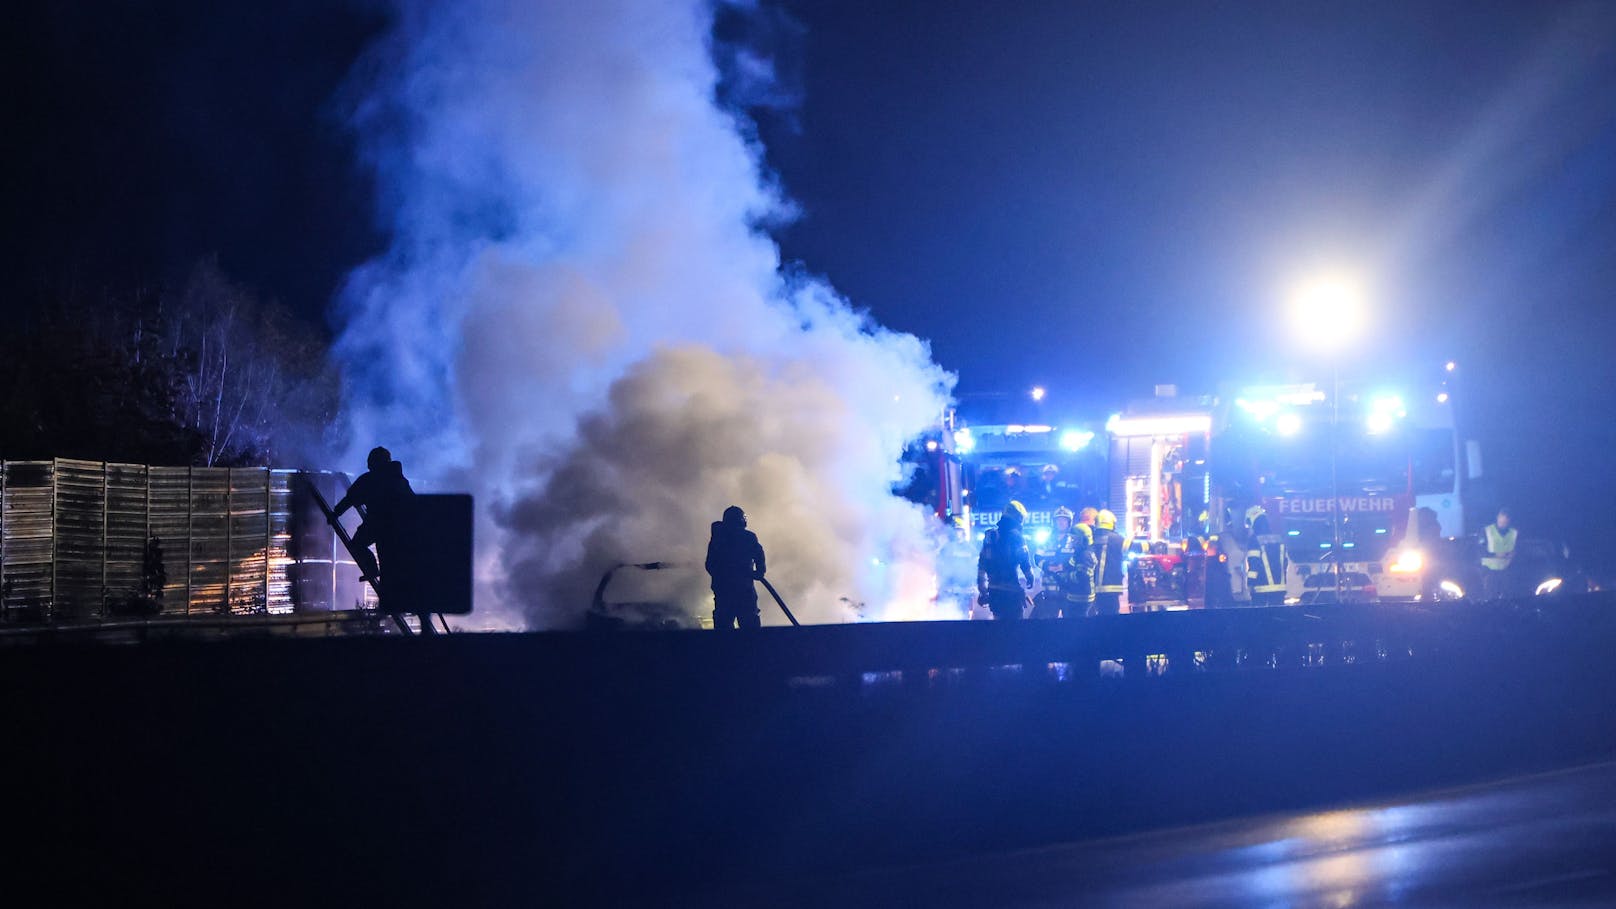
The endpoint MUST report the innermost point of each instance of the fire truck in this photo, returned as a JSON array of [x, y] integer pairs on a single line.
[[1363, 487]]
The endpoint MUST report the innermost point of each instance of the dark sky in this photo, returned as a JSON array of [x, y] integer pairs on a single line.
[[1094, 197]]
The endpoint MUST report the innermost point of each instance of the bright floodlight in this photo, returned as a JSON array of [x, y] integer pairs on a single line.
[[1380, 422], [1038, 392], [1328, 313], [1076, 439], [1288, 424], [964, 442]]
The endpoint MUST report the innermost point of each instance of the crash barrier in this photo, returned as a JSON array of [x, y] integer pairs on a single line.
[[91, 540], [629, 767], [338, 623], [1125, 646]]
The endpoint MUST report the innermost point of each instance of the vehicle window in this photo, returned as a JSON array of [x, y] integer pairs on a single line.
[[1431, 458]]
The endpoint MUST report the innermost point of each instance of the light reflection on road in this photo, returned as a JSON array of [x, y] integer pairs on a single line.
[[1543, 839]]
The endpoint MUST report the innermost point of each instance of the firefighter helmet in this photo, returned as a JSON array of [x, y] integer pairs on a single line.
[[1017, 509], [1106, 519], [1063, 512], [1254, 512]]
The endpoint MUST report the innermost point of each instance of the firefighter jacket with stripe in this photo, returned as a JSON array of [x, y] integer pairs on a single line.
[[1267, 558], [1110, 568], [1004, 552], [1069, 569]]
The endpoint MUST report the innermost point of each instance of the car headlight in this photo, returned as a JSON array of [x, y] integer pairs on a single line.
[[1409, 561], [1548, 587], [1451, 589]]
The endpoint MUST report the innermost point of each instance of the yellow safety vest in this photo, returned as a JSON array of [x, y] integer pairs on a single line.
[[1499, 546]]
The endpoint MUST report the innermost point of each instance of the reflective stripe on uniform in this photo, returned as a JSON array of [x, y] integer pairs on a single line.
[[1274, 584], [1099, 574]]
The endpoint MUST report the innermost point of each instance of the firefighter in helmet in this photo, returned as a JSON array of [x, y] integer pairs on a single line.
[[1004, 557], [1235, 545], [1265, 560], [1069, 568], [735, 561], [1110, 571]]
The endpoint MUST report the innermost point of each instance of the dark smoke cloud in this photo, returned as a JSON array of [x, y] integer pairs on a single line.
[[581, 322]]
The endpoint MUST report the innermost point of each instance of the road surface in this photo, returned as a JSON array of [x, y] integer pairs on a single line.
[[1547, 839]]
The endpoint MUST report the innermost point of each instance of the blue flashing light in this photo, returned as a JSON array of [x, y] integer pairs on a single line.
[[1380, 530], [1075, 439], [964, 442], [1293, 533]]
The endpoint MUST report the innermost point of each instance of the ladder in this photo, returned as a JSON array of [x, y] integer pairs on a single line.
[[360, 558]]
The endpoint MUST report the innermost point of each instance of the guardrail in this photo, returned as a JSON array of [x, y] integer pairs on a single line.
[[1130, 647], [134, 631]]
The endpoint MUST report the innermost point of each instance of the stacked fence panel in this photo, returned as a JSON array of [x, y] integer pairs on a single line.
[[86, 540], [279, 594], [169, 492], [313, 546], [29, 494], [127, 567], [81, 554], [210, 540], [249, 541]]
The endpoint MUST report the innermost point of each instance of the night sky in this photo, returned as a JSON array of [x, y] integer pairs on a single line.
[[1093, 198]]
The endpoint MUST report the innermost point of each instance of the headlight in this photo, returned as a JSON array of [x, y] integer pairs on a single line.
[[1548, 587], [1041, 536], [1451, 589], [1409, 561]]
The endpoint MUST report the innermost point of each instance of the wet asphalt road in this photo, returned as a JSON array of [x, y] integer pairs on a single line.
[[1542, 840]]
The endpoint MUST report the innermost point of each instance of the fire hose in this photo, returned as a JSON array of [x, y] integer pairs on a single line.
[[598, 602], [783, 608]]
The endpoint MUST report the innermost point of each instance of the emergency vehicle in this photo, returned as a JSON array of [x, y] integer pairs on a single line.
[[1368, 486]]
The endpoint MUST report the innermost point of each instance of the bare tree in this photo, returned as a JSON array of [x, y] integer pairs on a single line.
[[252, 379]]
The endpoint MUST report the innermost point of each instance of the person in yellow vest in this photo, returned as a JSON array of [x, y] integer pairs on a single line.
[[1265, 560], [1500, 553], [1110, 578]]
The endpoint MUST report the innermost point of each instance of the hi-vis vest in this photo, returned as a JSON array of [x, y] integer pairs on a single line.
[[1499, 545]]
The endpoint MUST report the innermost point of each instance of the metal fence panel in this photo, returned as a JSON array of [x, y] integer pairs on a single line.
[[278, 588], [82, 539], [210, 540], [249, 540], [170, 519], [81, 553], [29, 506], [126, 532]]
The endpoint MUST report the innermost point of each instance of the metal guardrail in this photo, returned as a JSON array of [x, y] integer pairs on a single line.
[[132, 631], [1172, 644]]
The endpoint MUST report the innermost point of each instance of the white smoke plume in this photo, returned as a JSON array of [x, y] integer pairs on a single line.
[[581, 321]]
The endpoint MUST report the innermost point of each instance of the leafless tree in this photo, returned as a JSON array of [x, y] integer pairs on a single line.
[[252, 380]]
